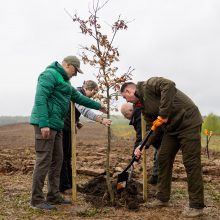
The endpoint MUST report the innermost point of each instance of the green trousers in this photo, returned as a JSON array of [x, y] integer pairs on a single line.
[[189, 141]]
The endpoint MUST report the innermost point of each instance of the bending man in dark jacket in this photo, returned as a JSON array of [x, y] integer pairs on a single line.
[[162, 101], [133, 113], [53, 95], [89, 89]]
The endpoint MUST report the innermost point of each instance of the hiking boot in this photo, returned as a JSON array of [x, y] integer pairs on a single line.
[[157, 203], [192, 212], [153, 180], [43, 205], [58, 201]]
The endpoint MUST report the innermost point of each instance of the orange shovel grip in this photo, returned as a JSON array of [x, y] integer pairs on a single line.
[[158, 122]]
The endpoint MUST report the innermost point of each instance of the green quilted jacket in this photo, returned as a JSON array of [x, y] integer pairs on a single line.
[[53, 95]]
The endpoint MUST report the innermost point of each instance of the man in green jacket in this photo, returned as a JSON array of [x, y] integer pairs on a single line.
[[53, 95], [163, 102]]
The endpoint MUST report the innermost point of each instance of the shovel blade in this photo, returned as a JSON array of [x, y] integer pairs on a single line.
[[122, 181]]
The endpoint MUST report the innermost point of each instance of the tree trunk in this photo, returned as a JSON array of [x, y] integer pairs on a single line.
[[108, 180], [73, 145]]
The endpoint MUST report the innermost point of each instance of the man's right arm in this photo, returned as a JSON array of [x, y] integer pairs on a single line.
[[80, 99]]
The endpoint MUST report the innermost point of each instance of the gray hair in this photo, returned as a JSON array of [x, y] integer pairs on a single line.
[[90, 84]]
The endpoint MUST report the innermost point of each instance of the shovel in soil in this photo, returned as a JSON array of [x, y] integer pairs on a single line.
[[123, 176]]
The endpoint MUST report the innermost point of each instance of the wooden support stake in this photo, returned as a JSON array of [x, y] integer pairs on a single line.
[[144, 163], [73, 143]]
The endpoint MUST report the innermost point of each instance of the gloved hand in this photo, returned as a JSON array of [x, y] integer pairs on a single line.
[[158, 122]]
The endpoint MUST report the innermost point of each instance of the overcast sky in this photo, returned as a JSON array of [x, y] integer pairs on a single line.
[[177, 39]]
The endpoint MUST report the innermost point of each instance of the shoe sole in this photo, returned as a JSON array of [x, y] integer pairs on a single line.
[[51, 203], [156, 206], [192, 216], [36, 208]]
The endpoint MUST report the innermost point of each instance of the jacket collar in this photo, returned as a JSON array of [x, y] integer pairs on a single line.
[[139, 91], [81, 90]]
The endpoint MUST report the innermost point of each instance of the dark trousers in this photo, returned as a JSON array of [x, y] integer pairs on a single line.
[[49, 157], [66, 171], [154, 171], [190, 143]]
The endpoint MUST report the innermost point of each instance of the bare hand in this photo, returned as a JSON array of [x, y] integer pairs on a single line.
[[45, 132], [137, 152], [107, 122]]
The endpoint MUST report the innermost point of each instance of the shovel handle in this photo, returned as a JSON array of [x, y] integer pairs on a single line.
[[146, 137], [144, 141]]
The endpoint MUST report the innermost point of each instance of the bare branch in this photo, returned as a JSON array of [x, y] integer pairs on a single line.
[[103, 4], [96, 32], [102, 54], [116, 94], [68, 13]]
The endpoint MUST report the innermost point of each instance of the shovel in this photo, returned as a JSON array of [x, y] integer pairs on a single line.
[[130, 173], [123, 176]]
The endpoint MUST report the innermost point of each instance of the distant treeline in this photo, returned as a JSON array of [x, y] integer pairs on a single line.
[[5, 120], [211, 121]]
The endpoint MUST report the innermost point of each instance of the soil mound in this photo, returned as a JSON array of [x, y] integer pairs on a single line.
[[95, 192]]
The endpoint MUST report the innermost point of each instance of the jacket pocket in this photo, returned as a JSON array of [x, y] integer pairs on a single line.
[[42, 144]]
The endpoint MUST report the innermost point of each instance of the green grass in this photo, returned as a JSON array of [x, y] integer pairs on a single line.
[[123, 130], [215, 194], [88, 213], [2, 190], [178, 194]]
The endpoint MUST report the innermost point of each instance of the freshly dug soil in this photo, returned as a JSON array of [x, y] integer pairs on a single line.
[[95, 192]]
